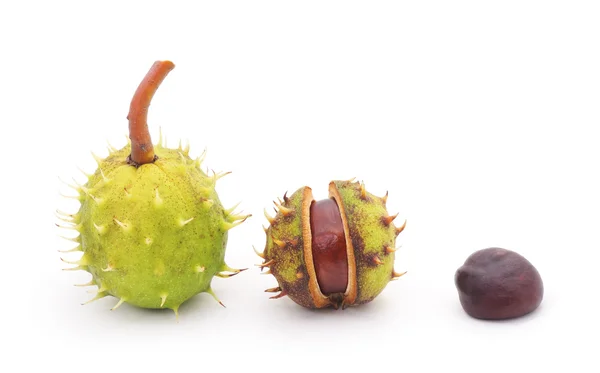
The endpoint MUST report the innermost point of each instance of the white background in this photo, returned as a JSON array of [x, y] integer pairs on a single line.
[[478, 117]]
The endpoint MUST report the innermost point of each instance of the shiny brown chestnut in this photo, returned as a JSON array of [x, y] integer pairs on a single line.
[[496, 284], [329, 246]]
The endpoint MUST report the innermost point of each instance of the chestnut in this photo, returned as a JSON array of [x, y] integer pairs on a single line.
[[496, 283], [337, 252]]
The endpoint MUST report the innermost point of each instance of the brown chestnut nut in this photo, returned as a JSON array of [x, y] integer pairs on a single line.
[[496, 283]]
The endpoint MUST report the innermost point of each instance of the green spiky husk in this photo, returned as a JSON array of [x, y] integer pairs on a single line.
[[288, 266], [137, 239], [370, 235]]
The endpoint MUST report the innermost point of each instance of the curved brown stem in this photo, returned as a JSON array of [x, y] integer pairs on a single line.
[[142, 150]]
